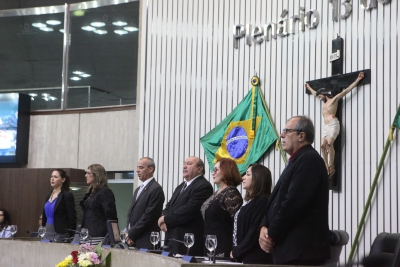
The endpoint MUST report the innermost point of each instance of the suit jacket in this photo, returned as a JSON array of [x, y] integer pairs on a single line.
[[297, 212], [182, 215], [248, 249], [97, 210], [64, 213], [144, 213]]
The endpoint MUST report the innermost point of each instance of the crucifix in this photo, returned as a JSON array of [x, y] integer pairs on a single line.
[[331, 90]]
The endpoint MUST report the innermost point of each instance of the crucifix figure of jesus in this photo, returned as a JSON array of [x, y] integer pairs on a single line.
[[331, 123]]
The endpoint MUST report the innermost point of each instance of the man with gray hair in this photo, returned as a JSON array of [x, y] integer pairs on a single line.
[[295, 229], [146, 207]]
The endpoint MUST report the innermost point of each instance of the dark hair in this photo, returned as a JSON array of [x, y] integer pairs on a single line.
[[306, 125], [200, 163], [100, 177], [261, 183], [325, 92], [6, 222], [230, 172], [63, 174]]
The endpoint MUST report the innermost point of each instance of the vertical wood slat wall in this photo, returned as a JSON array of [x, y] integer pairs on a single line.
[[192, 77]]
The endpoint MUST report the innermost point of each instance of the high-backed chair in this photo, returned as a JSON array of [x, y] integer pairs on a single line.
[[338, 238], [385, 251]]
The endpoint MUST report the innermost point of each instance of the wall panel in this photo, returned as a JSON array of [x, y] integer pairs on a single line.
[[194, 77]]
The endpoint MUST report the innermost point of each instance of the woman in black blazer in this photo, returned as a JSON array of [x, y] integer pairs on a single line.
[[99, 203], [59, 209], [257, 182]]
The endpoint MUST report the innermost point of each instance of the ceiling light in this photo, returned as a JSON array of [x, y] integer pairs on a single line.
[[61, 30], [131, 29], [120, 32], [33, 94], [53, 22], [97, 24], [88, 28], [85, 75], [77, 72], [75, 78], [120, 23], [47, 29], [53, 98], [45, 95], [100, 31], [39, 25], [74, 188]]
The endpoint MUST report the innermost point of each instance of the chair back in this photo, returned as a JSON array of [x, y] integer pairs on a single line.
[[385, 251], [338, 239]]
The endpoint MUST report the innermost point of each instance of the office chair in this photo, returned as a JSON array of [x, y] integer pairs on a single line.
[[338, 239], [385, 251]]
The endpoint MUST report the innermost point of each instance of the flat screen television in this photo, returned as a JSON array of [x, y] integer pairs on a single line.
[[14, 127]]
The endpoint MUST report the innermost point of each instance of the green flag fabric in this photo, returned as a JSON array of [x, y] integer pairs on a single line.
[[244, 135], [396, 122]]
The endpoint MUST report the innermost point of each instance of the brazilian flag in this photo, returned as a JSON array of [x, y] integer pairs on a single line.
[[244, 135]]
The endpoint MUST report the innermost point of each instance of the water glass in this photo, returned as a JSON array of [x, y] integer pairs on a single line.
[[41, 231], [13, 230], [211, 245], [84, 234], [188, 241], [123, 235], [154, 239]]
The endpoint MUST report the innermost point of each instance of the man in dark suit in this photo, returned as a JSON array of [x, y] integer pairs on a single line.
[[182, 213], [146, 206], [295, 228]]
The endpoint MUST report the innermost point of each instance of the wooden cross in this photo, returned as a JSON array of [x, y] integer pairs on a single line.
[[335, 84]]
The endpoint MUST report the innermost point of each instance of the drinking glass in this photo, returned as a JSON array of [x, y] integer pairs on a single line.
[[154, 238], [41, 231], [211, 245], [84, 234], [123, 235], [13, 230], [189, 241]]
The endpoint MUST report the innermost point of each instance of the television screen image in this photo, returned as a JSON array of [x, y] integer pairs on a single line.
[[14, 127]]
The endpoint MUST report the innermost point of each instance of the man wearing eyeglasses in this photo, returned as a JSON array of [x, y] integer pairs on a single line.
[[295, 229]]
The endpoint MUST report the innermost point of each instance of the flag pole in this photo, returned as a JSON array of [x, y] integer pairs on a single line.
[[371, 193]]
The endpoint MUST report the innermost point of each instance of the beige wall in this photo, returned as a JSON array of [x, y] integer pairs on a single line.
[[78, 140]]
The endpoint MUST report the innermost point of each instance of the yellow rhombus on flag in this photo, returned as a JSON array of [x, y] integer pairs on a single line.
[[244, 135]]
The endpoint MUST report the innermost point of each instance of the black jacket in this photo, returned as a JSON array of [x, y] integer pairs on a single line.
[[182, 215], [97, 210], [144, 213], [64, 213], [297, 212], [248, 249]]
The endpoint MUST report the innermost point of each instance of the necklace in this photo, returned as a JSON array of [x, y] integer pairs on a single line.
[[51, 199]]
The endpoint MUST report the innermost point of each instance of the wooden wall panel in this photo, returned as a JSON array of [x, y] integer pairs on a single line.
[[194, 77], [23, 193]]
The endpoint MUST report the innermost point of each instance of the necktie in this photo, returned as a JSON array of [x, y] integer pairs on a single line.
[[184, 187], [140, 190]]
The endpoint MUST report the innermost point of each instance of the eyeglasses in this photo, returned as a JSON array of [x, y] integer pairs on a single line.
[[89, 173], [287, 130]]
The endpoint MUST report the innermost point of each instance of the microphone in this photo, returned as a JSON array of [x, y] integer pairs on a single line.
[[176, 240], [72, 230]]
